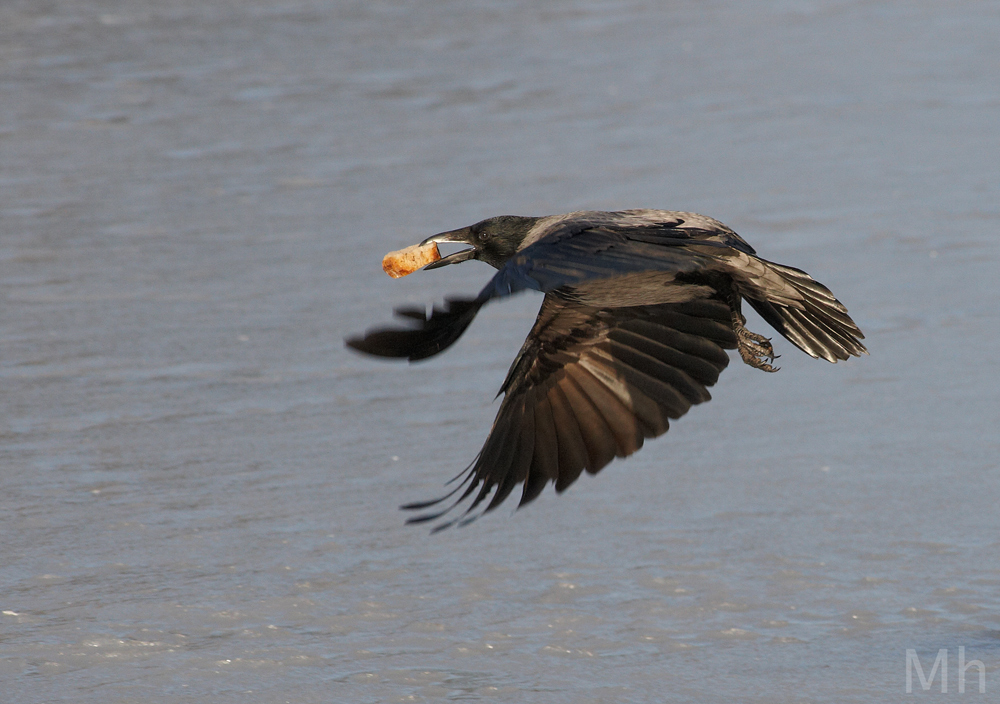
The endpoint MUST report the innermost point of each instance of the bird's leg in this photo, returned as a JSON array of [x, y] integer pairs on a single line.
[[753, 348]]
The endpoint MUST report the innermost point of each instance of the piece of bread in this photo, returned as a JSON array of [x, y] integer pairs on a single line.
[[406, 261]]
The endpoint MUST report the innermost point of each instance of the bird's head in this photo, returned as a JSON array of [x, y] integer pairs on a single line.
[[493, 241]]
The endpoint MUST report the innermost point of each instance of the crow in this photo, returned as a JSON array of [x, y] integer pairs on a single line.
[[639, 308]]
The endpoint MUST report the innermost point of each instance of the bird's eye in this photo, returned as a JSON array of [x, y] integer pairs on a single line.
[[483, 236]]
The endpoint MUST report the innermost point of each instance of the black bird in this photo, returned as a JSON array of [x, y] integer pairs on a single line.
[[639, 308]]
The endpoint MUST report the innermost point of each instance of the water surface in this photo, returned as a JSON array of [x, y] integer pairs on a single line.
[[198, 482]]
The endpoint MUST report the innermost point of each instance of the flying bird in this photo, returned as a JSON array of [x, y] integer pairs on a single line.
[[640, 307]]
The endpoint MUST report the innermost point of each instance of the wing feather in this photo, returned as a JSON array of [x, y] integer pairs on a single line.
[[545, 459], [597, 436], [620, 421], [572, 451], [589, 385]]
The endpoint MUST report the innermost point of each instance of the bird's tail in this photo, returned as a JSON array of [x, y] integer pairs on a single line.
[[433, 333], [805, 312]]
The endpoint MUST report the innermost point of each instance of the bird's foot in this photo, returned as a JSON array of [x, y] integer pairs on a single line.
[[754, 349]]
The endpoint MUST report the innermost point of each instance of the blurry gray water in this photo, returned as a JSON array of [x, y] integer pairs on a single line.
[[198, 483]]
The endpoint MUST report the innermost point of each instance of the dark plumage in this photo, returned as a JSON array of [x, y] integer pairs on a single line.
[[639, 308]]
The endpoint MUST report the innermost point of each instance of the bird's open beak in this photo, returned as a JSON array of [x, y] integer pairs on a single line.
[[463, 236]]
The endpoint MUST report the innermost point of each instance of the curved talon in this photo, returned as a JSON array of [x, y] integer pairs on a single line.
[[754, 348]]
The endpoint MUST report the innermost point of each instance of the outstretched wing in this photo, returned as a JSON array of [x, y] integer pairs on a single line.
[[430, 335], [590, 384]]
